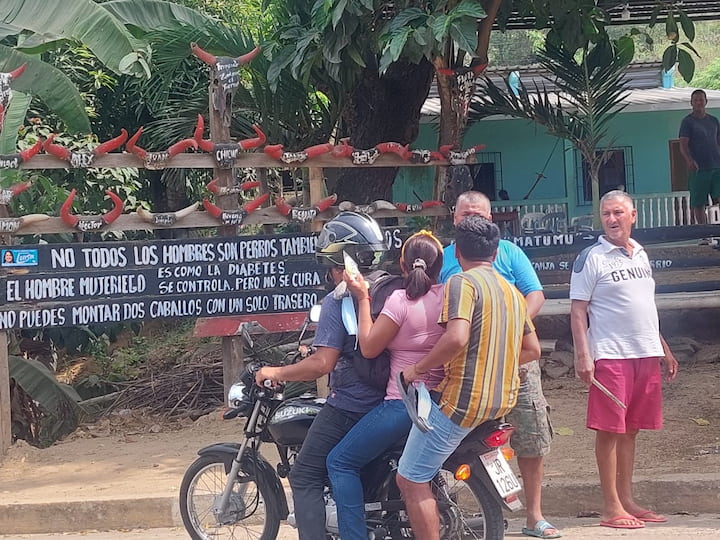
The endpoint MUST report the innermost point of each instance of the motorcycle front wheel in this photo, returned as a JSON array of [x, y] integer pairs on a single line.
[[252, 512], [467, 509]]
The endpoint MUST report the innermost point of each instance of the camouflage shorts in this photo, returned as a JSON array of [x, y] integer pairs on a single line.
[[531, 417]]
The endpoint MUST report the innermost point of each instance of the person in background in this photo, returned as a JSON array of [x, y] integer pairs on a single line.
[[700, 146], [531, 418], [408, 327], [350, 398], [488, 334], [612, 287]]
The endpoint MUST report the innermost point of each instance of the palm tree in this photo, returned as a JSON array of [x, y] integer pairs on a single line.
[[591, 90]]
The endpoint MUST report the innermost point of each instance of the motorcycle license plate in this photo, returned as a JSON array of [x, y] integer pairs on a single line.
[[500, 473]]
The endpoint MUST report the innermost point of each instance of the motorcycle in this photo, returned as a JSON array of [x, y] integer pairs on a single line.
[[232, 490]]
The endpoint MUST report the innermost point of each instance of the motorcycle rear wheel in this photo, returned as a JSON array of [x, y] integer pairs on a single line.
[[252, 512], [472, 512]]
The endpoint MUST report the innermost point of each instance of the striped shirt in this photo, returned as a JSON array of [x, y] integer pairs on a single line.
[[481, 383]]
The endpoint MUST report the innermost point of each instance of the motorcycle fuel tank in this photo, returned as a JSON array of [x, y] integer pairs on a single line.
[[290, 422]]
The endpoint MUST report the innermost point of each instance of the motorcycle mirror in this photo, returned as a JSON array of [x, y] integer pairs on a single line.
[[314, 314]]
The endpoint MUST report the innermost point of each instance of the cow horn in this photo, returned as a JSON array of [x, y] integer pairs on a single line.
[[20, 187], [319, 149], [245, 58], [283, 207], [179, 214], [131, 144], [274, 150], [254, 205], [30, 152], [247, 144], [14, 74], [65, 214], [198, 134], [181, 146], [112, 144], [33, 218], [113, 214], [205, 56], [144, 214], [326, 203], [214, 211], [55, 149]]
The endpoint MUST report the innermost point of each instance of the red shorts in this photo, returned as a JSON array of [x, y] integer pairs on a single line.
[[637, 382]]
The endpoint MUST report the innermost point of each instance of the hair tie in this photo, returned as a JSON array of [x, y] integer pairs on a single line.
[[419, 263]]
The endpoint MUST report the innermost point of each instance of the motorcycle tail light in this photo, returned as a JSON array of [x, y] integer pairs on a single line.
[[499, 437], [462, 472], [507, 452]]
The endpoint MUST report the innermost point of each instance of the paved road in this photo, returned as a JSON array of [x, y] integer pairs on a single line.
[[678, 528]]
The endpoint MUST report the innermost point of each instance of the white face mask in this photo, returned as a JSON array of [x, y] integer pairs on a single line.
[[349, 317]]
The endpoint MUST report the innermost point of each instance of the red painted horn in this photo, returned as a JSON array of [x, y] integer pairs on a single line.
[[327, 202], [17, 71], [212, 185], [395, 148], [65, 214], [214, 211], [274, 150], [55, 149], [113, 214], [20, 187], [131, 144], [283, 207], [30, 152], [112, 144], [181, 146], [343, 149], [254, 205], [198, 135], [247, 144], [245, 58], [319, 149], [445, 149], [445, 71], [205, 56], [250, 184]]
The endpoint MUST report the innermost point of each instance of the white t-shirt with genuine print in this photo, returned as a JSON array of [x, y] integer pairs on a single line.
[[620, 289]]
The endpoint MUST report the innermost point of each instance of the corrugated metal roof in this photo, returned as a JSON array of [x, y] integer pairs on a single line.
[[645, 94]]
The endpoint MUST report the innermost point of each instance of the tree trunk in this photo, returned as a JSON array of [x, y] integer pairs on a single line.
[[382, 109]]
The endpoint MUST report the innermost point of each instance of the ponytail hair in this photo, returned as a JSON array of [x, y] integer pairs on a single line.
[[421, 259]]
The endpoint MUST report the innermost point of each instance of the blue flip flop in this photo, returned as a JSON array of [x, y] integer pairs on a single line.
[[539, 530]]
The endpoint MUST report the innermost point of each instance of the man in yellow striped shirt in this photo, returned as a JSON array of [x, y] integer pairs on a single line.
[[488, 334]]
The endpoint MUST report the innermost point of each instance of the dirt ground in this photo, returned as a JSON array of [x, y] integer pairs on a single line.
[[128, 455]]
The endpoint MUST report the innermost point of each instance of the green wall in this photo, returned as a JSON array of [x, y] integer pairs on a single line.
[[525, 148]]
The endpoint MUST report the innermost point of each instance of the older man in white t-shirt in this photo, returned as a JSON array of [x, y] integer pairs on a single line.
[[618, 344]]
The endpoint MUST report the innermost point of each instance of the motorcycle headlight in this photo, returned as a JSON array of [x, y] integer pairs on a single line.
[[237, 395]]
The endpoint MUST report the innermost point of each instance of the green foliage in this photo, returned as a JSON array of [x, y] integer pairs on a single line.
[[53, 412]]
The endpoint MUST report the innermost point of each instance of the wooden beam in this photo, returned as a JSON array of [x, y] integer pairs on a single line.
[[664, 302], [231, 326], [5, 417]]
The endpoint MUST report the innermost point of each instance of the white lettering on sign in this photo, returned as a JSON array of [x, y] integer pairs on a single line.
[[175, 308], [185, 253], [544, 240], [145, 255], [294, 301], [81, 160], [660, 264], [10, 162], [9, 225], [41, 318], [104, 257], [96, 314], [62, 258], [299, 245], [124, 284], [47, 288]]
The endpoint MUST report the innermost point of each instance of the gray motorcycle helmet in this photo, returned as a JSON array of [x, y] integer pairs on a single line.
[[357, 234]]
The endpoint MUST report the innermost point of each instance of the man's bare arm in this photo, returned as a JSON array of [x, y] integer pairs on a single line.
[[316, 365], [534, 301], [685, 151], [530, 349], [584, 362]]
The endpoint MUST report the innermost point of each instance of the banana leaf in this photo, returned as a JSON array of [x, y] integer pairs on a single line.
[[52, 410], [84, 21], [50, 85], [13, 121], [156, 14]]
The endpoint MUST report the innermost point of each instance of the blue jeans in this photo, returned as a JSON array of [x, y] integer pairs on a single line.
[[308, 474], [384, 425]]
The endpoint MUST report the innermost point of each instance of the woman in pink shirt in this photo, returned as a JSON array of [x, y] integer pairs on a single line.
[[408, 328]]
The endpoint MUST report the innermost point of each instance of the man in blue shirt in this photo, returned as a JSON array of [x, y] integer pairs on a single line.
[[531, 440]]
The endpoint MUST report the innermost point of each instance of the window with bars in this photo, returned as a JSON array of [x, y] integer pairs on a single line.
[[615, 173]]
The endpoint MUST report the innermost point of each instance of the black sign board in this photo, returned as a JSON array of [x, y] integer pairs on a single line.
[[77, 284]]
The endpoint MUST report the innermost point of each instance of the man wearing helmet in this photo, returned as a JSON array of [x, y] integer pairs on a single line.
[[350, 398]]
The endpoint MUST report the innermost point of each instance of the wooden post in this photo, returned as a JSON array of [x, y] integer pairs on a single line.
[[5, 420], [316, 181], [232, 346]]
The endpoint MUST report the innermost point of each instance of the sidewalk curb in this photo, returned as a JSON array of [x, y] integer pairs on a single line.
[[670, 494]]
